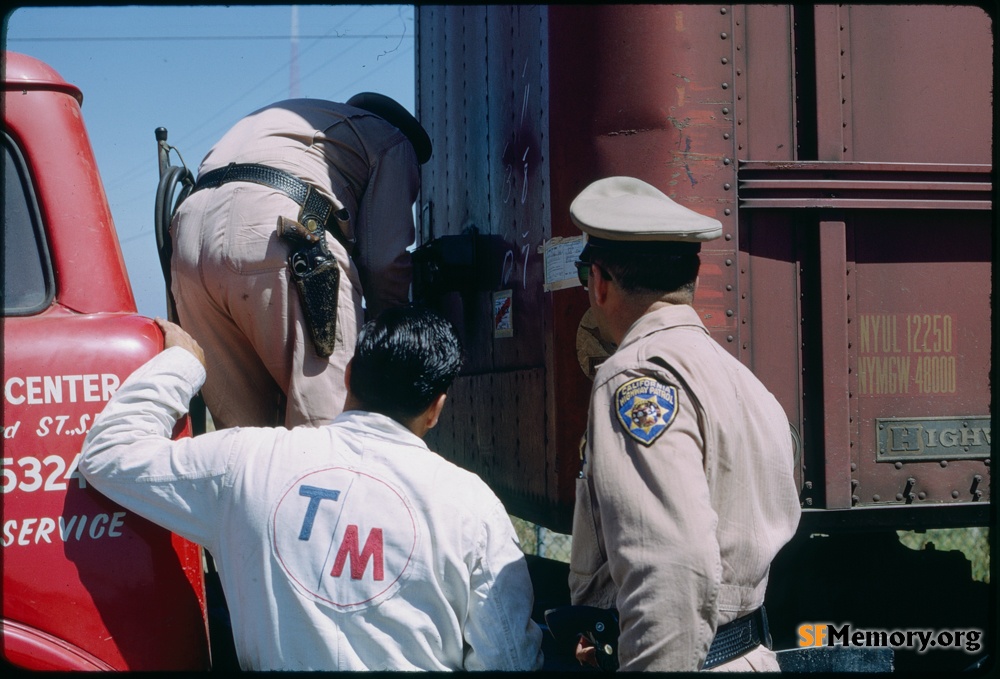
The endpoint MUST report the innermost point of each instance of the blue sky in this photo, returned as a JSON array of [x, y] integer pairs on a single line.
[[196, 70]]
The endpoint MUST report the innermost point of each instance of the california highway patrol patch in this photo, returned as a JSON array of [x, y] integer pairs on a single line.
[[645, 408]]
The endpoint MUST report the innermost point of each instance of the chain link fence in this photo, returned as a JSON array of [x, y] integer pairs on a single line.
[[973, 542], [541, 541]]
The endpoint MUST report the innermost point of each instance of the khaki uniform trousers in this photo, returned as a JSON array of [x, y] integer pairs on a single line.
[[234, 295]]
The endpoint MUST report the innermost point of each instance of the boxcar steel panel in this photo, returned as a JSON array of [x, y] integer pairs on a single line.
[[839, 145]]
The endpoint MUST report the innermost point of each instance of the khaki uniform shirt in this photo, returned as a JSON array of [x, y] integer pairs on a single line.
[[352, 157], [686, 493]]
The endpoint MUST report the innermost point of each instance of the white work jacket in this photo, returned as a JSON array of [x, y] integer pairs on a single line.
[[345, 547]]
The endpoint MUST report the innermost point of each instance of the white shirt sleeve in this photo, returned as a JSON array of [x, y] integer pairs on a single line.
[[129, 455], [499, 631]]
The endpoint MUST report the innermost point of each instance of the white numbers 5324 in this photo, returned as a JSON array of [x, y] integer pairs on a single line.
[[31, 474]]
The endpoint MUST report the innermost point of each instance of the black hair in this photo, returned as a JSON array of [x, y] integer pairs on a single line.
[[404, 359], [648, 266]]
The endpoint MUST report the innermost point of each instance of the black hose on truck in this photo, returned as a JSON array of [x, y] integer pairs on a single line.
[[168, 199]]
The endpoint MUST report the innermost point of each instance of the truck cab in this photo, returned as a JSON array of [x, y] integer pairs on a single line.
[[87, 585]]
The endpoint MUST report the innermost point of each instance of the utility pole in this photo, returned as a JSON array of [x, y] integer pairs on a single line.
[[293, 75]]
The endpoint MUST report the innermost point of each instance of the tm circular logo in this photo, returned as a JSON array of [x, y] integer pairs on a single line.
[[343, 536]]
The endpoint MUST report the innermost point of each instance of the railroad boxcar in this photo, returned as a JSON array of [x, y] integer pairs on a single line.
[[847, 151]]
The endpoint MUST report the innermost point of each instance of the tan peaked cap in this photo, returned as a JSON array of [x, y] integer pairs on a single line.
[[629, 209]]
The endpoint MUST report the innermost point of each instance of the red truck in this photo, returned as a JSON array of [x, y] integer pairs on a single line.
[[87, 585]]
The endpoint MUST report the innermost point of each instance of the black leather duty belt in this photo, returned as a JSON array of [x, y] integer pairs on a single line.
[[738, 637], [314, 206]]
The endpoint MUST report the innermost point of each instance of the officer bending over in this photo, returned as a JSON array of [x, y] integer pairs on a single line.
[[349, 546]]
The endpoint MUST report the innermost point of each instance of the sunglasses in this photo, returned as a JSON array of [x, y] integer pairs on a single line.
[[583, 271]]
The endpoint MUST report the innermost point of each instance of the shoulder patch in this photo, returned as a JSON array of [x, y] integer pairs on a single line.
[[645, 407]]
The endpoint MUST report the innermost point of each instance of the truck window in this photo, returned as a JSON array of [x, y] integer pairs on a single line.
[[27, 273]]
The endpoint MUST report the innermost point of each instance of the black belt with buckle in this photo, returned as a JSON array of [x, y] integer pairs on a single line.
[[314, 206], [738, 637]]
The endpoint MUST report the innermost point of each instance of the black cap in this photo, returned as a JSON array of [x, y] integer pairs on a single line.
[[393, 113]]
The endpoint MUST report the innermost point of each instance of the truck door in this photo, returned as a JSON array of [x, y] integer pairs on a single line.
[[87, 585]]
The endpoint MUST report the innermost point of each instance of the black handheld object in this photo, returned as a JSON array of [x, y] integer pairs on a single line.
[[317, 276], [598, 625]]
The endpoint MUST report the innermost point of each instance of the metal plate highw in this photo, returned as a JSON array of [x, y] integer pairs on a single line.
[[932, 438]]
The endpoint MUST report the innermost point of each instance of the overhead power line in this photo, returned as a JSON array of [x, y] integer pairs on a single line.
[[178, 38]]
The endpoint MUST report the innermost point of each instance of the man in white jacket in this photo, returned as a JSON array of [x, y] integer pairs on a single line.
[[345, 547]]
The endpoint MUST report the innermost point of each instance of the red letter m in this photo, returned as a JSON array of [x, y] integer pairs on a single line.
[[359, 561]]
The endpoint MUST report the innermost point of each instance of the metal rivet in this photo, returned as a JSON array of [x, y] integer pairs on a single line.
[[729, 312], [729, 338], [723, 35], [725, 110], [729, 287], [729, 236], [722, 10], [724, 60], [944, 463], [727, 186], [729, 262], [727, 211], [921, 495], [898, 465], [954, 494], [725, 86], [726, 161], [876, 498], [899, 496], [725, 136], [854, 466], [809, 502]]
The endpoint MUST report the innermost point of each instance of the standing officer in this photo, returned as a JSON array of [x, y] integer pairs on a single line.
[[687, 489], [300, 210]]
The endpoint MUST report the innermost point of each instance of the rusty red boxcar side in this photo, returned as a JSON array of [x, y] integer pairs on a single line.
[[847, 151]]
